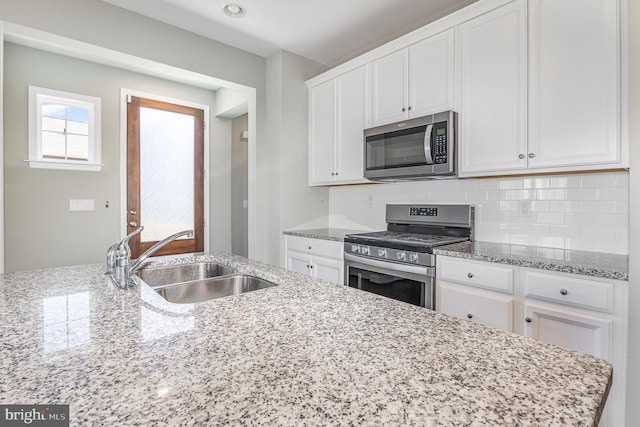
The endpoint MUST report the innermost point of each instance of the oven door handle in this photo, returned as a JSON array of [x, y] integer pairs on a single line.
[[392, 266]]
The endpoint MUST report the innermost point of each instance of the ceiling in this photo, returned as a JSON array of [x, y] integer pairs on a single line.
[[326, 31]]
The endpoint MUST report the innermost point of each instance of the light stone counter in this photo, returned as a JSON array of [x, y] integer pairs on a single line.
[[334, 234], [595, 264], [305, 353]]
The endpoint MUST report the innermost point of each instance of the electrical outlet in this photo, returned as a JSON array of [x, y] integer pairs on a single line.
[[524, 208]]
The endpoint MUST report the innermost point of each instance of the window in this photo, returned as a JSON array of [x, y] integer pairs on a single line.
[[64, 130]]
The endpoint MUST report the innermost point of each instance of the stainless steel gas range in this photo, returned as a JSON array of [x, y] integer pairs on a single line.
[[399, 263]]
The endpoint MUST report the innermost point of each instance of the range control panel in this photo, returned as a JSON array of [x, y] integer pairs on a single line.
[[415, 211]]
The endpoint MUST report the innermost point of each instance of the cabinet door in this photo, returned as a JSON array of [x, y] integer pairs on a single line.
[[352, 117], [573, 329], [488, 308], [298, 262], [493, 91], [328, 269], [431, 75], [389, 87], [574, 106], [322, 133]]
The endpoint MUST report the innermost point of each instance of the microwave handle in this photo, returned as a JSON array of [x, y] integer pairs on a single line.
[[427, 144]]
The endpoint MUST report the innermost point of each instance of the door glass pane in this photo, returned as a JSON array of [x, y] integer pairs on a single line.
[[166, 173]]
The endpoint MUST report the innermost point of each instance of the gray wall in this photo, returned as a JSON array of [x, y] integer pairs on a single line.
[[40, 231], [633, 365], [239, 189], [301, 206]]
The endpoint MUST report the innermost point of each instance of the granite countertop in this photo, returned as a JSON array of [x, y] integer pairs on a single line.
[[305, 353], [596, 264], [335, 234]]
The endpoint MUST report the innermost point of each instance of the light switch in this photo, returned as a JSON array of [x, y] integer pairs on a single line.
[[81, 204]]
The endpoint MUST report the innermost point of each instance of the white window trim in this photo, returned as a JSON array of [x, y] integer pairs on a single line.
[[93, 104]]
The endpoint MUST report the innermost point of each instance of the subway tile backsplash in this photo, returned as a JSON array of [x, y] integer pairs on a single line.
[[578, 211]]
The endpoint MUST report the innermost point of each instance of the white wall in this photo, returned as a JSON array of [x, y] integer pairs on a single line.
[[582, 212], [633, 361]]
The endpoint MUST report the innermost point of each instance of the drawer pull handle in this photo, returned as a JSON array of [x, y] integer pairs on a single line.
[[527, 319], [470, 316], [563, 292], [470, 275], [309, 247]]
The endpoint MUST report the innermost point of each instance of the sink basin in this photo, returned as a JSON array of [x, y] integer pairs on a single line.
[[181, 273], [206, 289]]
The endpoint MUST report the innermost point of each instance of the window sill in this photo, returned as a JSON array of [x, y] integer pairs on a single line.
[[42, 164]]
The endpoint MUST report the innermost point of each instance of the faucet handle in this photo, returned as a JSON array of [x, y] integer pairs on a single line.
[[133, 233]]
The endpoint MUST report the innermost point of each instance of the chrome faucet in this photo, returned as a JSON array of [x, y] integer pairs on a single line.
[[119, 266]]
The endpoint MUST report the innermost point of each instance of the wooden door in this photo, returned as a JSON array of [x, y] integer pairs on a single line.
[[165, 175]]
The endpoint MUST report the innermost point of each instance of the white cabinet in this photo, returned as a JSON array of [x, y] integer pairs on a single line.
[[540, 88], [318, 258], [489, 308], [574, 82], [338, 112], [586, 314], [414, 81], [578, 330], [479, 292], [492, 52]]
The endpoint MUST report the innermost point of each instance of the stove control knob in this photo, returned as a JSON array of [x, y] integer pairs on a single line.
[[382, 253], [364, 250], [401, 256], [413, 257], [355, 248]]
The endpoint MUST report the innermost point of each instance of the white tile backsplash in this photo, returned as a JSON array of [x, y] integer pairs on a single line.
[[577, 211]]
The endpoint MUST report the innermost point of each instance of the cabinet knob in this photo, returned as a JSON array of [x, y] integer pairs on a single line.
[[311, 267], [309, 247], [531, 155], [521, 156], [409, 108], [470, 316], [470, 275], [563, 292], [404, 109], [527, 319]]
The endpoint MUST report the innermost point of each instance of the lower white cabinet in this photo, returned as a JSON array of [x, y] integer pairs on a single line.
[[488, 308], [586, 314], [318, 258]]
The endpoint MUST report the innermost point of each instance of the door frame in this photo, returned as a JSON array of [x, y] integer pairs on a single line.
[[124, 96]]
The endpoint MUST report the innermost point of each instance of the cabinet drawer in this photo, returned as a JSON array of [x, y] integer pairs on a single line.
[[569, 290], [325, 248], [488, 308], [476, 274]]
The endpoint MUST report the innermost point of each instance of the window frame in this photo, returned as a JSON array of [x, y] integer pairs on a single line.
[[38, 95]]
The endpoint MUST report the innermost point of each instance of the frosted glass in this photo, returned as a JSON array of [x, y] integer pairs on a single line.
[[166, 173]]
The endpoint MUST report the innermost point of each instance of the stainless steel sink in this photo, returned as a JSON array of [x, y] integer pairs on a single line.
[[181, 273], [203, 290]]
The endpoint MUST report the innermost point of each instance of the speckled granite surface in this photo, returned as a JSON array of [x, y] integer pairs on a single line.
[[335, 234], [305, 353], [610, 266]]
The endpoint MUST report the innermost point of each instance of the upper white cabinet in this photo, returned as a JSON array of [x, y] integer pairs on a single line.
[[338, 115], [493, 90], [414, 81], [561, 112], [574, 83]]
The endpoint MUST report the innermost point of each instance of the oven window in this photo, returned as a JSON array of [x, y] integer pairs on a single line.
[[406, 290], [397, 149]]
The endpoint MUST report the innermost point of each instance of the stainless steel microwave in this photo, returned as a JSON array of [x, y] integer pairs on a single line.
[[420, 148]]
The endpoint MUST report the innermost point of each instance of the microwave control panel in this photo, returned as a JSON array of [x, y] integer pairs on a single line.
[[439, 140]]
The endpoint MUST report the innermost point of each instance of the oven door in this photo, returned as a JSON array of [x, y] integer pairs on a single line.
[[409, 283]]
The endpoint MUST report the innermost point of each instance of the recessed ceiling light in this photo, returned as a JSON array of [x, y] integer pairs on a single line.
[[233, 10]]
